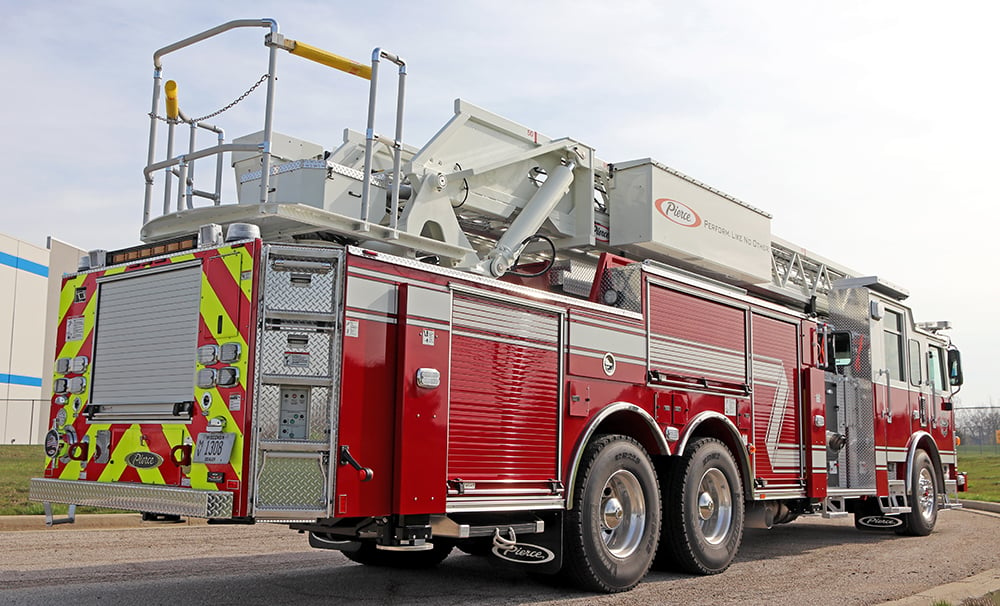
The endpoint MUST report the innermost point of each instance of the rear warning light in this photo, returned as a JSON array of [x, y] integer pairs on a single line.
[[206, 378], [229, 353], [78, 364], [228, 376], [77, 384], [208, 354]]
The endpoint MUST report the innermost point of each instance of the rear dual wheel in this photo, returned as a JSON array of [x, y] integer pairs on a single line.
[[703, 524], [612, 531]]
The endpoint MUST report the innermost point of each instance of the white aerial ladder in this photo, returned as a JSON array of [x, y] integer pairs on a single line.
[[481, 194]]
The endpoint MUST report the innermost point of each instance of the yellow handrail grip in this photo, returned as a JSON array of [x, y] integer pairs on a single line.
[[307, 51], [170, 88]]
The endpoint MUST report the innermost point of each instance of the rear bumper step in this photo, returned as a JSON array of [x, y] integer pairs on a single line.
[[138, 497]]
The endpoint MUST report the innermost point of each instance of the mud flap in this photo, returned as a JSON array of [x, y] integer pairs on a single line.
[[541, 553], [878, 523]]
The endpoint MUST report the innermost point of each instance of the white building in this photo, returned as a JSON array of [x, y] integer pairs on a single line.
[[30, 279]]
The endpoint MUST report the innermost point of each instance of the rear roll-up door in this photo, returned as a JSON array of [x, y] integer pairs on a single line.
[[146, 339]]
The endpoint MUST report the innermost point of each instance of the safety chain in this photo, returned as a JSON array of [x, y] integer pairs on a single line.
[[226, 108]]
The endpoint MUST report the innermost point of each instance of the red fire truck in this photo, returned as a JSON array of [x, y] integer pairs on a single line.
[[496, 342]]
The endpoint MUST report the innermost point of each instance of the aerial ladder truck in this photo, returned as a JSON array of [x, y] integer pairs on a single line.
[[497, 342]]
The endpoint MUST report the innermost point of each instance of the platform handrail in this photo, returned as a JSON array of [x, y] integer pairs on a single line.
[[172, 121]]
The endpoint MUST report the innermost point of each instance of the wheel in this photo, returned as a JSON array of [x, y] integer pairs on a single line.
[[613, 529], [370, 555], [923, 499], [704, 519]]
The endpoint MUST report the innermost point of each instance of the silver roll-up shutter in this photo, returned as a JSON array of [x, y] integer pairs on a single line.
[[146, 338]]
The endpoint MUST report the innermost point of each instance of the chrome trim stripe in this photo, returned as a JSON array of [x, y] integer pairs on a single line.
[[471, 504], [599, 354], [359, 315], [583, 318]]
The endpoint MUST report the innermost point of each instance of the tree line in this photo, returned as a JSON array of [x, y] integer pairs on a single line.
[[978, 425]]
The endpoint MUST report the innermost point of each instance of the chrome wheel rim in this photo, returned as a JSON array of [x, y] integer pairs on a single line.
[[714, 506], [926, 494], [622, 513]]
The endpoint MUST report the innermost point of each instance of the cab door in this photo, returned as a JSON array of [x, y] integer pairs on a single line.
[[920, 396]]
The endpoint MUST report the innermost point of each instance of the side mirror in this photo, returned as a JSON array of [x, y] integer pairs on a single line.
[[955, 377], [840, 346]]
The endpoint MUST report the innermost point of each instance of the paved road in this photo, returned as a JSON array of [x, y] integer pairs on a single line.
[[811, 561]]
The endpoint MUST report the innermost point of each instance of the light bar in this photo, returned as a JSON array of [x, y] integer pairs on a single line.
[[147, 251]]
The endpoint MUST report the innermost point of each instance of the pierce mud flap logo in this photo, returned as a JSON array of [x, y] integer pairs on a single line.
[[880, 522], [678, 212], [520, 553], [524, 553], [143, 460]]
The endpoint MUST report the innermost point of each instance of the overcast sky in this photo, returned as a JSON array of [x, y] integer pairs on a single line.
[[867, 129]]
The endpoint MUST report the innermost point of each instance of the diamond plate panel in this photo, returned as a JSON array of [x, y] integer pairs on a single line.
[[292, 481], [296, 350], [849, 311], [299, 283], [138, 497]]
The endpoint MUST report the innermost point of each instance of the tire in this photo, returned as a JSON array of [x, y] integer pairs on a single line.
[[370, 555], [923, 498], [612, 531], [703, 522]]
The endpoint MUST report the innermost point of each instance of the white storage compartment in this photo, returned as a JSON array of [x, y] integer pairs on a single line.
[[658, 212]]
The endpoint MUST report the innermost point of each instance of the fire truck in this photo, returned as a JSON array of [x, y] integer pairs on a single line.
[[497, 342]]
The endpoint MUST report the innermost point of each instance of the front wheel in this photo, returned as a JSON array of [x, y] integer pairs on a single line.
[[923, 498], [703, 526], [613, 529]]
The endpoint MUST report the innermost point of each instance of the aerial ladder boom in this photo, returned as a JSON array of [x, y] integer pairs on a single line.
[[482, 194]]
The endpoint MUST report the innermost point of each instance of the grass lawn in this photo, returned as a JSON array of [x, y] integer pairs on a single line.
[[984, 473], [18, 464]]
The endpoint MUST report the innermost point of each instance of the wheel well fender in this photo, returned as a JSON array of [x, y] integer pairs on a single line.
[[714, 425], [922, 440], [620, 418]]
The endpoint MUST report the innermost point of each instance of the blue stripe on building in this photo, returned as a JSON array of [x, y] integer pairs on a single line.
[[21, 380], [25, 265]]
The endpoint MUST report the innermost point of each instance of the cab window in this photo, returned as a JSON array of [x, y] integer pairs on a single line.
[[936, 369], [916, 363], [892, 329]]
